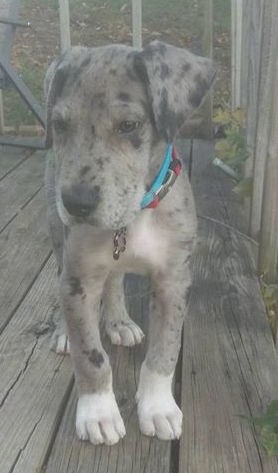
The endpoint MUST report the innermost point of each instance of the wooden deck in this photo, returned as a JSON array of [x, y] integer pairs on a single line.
[[228, 367]]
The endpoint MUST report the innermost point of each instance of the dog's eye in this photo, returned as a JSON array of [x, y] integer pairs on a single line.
[[127, 126], [59, 124]]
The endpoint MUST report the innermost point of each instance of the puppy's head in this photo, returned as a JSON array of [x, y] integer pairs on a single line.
[[109, 111]]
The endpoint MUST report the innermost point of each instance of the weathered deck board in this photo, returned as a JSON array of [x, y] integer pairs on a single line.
[[35, 383], [229, 361], [229, 365], [19, 186], [24, 248], [10, 158]]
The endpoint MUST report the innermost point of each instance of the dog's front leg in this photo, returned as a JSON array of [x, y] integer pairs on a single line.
[[157, 410], [98, 418]]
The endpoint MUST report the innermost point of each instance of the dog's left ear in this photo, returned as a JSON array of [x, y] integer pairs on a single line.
[[177, 82]]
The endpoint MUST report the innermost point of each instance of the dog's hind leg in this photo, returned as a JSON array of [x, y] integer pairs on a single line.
[[118, 325], [59, 340]]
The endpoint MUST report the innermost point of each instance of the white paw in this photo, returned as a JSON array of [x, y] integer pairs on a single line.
[[98, 419], [157, 410], [125, 333], [60, 344]]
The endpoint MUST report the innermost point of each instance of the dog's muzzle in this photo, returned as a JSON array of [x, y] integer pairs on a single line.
[[81, 201]]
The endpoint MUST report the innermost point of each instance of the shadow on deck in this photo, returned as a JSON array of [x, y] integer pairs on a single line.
[[228, 366]]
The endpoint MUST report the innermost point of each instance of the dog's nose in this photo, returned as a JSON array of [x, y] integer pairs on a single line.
[[79, 200]]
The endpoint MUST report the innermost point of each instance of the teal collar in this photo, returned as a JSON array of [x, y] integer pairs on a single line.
[[164, 180]]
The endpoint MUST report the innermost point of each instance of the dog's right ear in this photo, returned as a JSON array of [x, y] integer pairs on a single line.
[[177, 82]]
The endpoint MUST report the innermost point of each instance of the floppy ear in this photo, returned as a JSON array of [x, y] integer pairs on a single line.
[[177, 82], [53, 84], [63, 68]]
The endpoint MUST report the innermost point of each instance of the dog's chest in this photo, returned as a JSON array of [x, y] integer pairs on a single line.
[[148, 241]]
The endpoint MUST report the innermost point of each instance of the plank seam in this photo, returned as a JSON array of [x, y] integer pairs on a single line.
[[20, 373], [22, 207], [25, 293], [25, 445], [16, 166], [31, 198], [60, 414]]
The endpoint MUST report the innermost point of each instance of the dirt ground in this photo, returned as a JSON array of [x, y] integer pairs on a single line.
[[98, 22]]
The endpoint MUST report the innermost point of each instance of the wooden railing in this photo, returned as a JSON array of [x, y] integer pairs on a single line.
[[255, 90]]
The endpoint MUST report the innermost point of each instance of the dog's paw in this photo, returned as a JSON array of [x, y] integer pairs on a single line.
[[98, 419], [60, 343], [124, 332], [157, 410], [160, 416]]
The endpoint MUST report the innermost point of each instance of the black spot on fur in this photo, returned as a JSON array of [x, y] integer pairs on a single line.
[[140, 69], [186, 67], [124, 97], [152, 50], [167, 119], [164, 71], [84, 170], [75, 286], [100, 164], [164, 103], [73, 74], [146, 107], [187, 295], [95, 357], [135, 140], [59, 271], [97, 98], [197, 94], [132, 75]]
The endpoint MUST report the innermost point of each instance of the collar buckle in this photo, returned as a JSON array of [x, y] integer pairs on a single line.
[[164, 180]]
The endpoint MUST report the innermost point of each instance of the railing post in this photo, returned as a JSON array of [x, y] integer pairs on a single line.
[[236, 33], [2, 120], [268, 248], [208, 51], [65, 43], [137, 23]]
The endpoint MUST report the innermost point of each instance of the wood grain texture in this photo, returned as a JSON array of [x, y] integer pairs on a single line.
[[10, 158], [24, 248], [268, 254], [266, 93], [229, 366], [229, 360], [19, 186], [35, 383], [236, 51]]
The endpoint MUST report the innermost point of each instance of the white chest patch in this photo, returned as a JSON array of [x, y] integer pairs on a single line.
[[148, 241]]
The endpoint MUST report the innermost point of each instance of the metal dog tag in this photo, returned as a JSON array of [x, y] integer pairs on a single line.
[[119, 242]]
